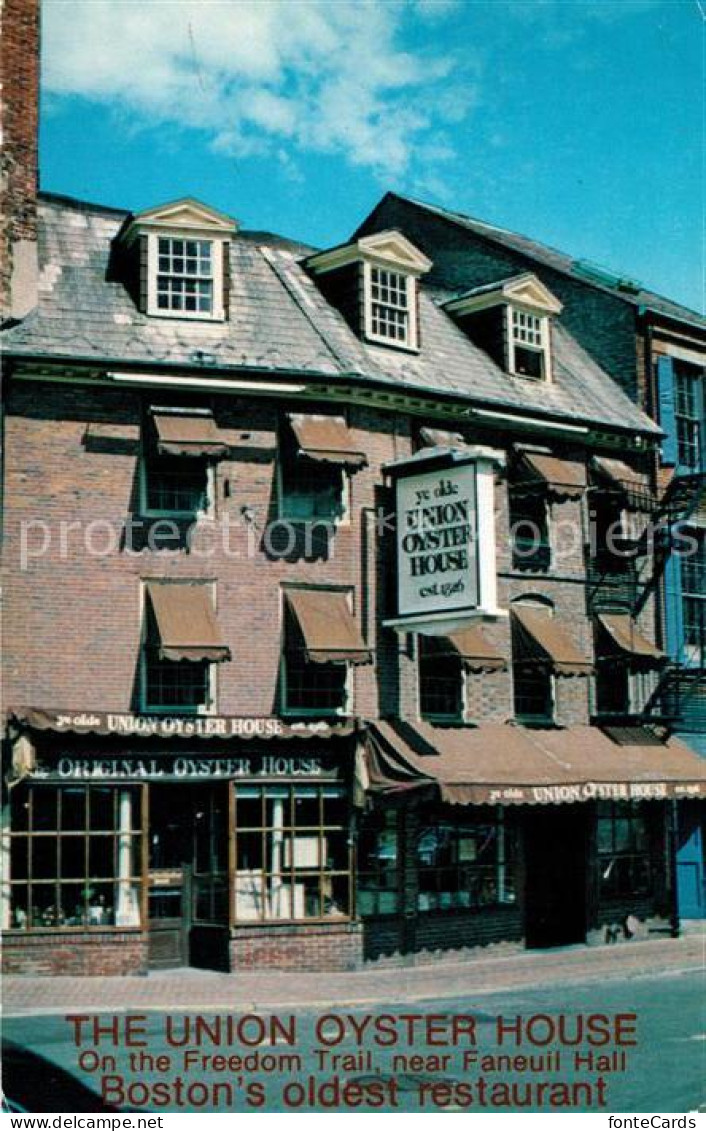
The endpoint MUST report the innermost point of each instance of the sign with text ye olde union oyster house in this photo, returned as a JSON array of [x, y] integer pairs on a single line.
[[437, 564]]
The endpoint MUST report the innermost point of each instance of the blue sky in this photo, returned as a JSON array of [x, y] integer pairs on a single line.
[[579, 122]]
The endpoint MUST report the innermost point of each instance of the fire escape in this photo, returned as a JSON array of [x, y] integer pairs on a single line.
[[624, 579]]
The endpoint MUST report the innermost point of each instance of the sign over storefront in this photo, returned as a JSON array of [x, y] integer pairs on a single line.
[[184, 767], [445, 531], [437, 541]]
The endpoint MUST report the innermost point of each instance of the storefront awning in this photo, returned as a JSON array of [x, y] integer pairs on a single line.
[[128, 725], [509, 765], [186, 623], [545, 636], [566, 479], [328, 627], [188, 434], [630, 642], [327, 439], [477, 651]]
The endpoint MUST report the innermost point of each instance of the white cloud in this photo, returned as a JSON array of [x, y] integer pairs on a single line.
[[266, 76]]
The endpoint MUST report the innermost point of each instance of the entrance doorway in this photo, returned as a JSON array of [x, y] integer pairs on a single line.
[[188, 876], [556, 840]]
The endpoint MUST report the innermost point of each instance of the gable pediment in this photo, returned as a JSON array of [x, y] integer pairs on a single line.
[[528, 290], [396, 249], [521, 290], [188, 215], [389, 248]]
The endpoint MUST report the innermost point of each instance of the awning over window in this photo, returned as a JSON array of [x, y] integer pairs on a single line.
[[186, 622], [629, 640], [546, 636], [327, 439], [634, 485], [188, 434], [510, 765], [439, 438], [476, 650], [328, 627], [566, 479]]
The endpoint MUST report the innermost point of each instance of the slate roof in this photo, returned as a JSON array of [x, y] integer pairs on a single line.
[[279, 321], [559, 261]]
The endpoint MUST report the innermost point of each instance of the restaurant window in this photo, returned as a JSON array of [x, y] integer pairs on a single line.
[[377, 875], [292, 853], [465, 865], [688, 414], [529, 528], [75, 857], [623, 851], [441, 680]]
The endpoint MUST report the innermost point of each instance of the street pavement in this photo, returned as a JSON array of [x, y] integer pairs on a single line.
[[200, 989], [655, 1061]]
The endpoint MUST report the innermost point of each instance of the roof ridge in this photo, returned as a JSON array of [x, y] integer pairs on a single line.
[[569, 261]]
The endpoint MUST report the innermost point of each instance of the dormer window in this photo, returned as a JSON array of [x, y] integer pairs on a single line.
[[185, 276], [373, 283], [179, 254], [390, 307], [510, 321], [528, 344]]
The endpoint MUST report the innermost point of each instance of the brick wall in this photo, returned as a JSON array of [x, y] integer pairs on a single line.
[[90, 954], [19, 105], [72, 465], [311, 947]]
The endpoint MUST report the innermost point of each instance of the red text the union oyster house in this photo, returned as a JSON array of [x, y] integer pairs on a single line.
[[382, 1029]]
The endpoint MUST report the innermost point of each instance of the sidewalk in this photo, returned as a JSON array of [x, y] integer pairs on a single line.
[[205, 990]]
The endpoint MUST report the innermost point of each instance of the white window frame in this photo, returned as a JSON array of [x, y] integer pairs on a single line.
[[513, 310], [208, 708], [217, 313], [411, 342]]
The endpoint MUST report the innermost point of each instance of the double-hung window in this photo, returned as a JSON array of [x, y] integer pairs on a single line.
[[693, 587], [185, 276], [391, 306], [688, 414]]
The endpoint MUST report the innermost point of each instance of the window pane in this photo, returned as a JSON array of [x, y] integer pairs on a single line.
[[73, 857], [73, 809], [45, 815], [285, 871]]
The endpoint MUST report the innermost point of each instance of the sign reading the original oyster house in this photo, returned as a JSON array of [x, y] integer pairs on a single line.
[[185, 767], [437, 560]]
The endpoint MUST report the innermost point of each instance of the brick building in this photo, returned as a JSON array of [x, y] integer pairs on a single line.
[[656, 350], [310, 664]]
